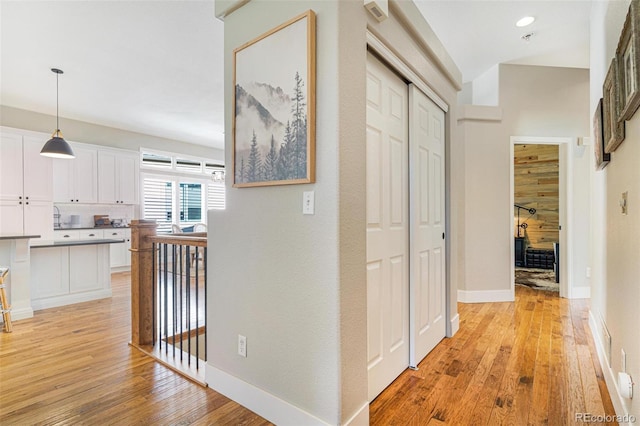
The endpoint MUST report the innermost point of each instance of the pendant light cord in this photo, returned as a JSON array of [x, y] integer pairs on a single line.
[[57, 112]]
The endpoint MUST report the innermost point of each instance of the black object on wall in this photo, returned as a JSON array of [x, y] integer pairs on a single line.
[[524, 225], [556, 265], [520, 241]]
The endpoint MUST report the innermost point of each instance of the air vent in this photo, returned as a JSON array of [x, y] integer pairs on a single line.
[[378, 8]]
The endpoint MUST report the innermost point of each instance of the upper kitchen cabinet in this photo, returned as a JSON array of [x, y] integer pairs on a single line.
[[11, 177], [118, 176], [26, 191], [76, 181]]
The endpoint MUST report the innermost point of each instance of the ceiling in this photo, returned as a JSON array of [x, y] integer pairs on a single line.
[[155, 67], [479, 34]]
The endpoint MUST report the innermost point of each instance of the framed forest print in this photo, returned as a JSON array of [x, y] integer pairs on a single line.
[[611, 105], [274, 106], [602, 158], [628, 54]]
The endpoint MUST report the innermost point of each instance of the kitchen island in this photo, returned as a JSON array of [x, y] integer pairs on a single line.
[[73, 271]]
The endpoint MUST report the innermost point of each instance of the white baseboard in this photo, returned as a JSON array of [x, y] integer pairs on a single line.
[[483, 296], [360, 418], [609, 376], [581, 293], [260, 402], [455, 325], [69, 299], [19, 314]]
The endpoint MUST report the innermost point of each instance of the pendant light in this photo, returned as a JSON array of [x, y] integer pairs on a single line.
[[57, 147]]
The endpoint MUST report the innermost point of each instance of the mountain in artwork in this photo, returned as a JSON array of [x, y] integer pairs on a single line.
[[254, 114], [270, 133]]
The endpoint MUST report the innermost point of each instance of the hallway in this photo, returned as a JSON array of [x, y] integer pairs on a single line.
[[529, 362]]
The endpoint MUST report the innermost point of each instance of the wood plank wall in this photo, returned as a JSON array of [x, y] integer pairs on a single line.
[[536, 177]]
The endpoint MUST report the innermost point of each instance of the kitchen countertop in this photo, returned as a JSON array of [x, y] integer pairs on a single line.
[[77, 243], [17, 237], [92, 227]]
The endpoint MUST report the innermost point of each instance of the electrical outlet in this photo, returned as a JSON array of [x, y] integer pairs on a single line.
[[588, 273], [242, 345], [308, 202], [623, 203], [623, 366]]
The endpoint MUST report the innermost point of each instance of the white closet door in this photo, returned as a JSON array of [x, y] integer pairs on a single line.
[[387, 226], [427, 191]]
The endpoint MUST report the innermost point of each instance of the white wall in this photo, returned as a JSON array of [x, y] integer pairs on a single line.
[[80, 131], [486, 87], [615, 237], [296, 285], [279, 280], [534, 101]]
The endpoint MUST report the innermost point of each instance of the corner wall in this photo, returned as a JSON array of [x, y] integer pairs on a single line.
[[295, 285], [281, 280]]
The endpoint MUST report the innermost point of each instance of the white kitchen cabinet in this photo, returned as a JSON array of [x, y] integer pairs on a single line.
[[118, 177], [71, 274], [91, 234], [66, 235], [85, 268], [26, 191], [11, 218], [49, 273], [38, 218], [120, 255], [76, 181], [38, 171], [11, 172]]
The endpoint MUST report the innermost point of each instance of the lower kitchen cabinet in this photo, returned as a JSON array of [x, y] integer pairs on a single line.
[[120, 254], [66, 275]]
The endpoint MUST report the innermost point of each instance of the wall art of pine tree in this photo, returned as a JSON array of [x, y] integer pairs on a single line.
[[273, 132]]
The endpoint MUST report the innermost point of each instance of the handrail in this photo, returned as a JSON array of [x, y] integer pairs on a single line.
[[168, 297], [198, 239]]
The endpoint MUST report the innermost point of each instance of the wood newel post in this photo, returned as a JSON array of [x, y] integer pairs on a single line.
[[142, 309]]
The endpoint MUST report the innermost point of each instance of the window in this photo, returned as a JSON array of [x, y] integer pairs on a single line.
[[158, 196], [156, 160], [188, 165], [190, 202], [216, 196], [179, 190]]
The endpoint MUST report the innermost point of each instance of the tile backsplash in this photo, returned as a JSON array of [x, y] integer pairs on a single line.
[[87, 211]]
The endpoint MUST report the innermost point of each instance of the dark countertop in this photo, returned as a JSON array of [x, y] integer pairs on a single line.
[[17, 237], [92, 227], [77, 243]]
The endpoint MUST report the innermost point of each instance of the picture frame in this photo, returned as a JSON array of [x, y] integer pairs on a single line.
[[628, 54], [602, 158], [611, 106], [274, 106]]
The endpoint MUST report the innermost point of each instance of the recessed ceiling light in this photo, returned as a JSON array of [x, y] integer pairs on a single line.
[[527, 20]]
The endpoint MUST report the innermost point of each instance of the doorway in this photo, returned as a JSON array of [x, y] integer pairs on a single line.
[[406, 278], [540, 252], [537, 219]]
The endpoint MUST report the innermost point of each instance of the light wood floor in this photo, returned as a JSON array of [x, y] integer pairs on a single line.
[[72, 365], [531, 362]]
